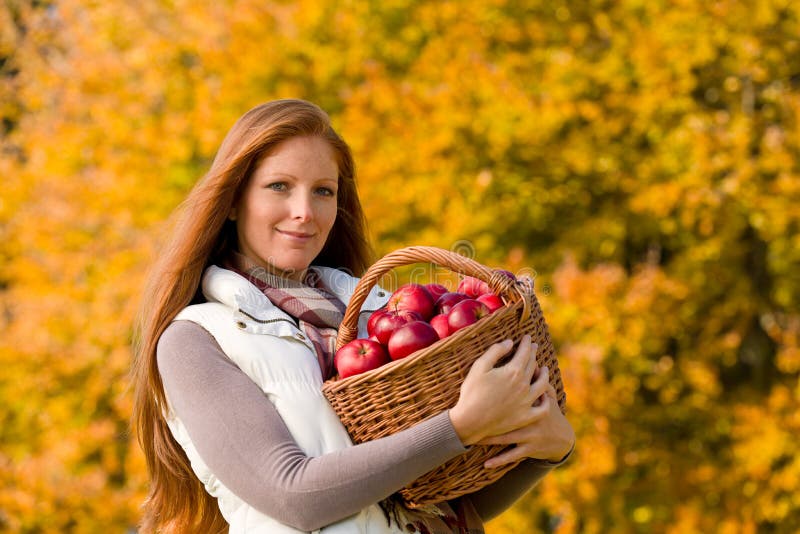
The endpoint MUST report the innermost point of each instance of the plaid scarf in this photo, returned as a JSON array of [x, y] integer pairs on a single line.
[[318, 312], [451, 517]]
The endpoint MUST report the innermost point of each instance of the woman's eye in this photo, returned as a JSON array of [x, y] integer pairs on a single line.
[[326, 192], [277, 186]]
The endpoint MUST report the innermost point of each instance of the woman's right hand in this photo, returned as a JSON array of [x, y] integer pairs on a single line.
[[497, 400]]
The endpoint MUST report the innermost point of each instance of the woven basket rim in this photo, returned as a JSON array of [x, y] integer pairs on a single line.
[[510, 290], [336, 383]]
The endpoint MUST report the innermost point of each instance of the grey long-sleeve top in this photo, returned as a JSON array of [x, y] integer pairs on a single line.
[[243, 440]]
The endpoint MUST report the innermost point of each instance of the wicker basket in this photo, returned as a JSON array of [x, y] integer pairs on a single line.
[[402, 393]]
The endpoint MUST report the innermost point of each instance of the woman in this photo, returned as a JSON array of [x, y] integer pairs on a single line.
[[235, 339]]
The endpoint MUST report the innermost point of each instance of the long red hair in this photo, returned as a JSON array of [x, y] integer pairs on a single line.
[[202, 235]]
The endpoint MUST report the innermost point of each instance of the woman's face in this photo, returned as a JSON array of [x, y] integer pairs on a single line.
[[288, 207]]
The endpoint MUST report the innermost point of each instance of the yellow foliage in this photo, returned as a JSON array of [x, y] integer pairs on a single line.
[[639, 158]]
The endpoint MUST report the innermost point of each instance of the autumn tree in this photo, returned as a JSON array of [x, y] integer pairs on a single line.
[[640, 157]]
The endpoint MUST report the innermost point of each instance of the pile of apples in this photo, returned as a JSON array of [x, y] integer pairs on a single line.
[[415, 317]]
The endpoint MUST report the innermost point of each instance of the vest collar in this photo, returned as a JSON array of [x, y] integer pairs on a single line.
[[252, 306], [342, 285]]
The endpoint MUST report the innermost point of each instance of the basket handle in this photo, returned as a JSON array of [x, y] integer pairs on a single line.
[[498, 282]]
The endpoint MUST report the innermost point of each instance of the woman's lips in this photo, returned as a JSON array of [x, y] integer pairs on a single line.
[[299, 236]]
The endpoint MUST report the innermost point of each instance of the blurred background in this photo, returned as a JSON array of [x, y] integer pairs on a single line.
[[640, 156]]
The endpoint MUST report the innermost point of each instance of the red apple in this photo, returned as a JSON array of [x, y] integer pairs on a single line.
[[436, 290], [465, 313], [412, 297], [410, 338], [410, 315], [447, 301], [439, 323], [373, 320], [358, 356], [492, 301], [473, 287], [391, 321]]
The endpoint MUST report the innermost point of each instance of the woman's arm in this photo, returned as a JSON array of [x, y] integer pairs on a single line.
[[246, 444], [542, 444], [495, 498]]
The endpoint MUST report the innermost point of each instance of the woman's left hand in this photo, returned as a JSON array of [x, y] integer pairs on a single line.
[[549, 438]]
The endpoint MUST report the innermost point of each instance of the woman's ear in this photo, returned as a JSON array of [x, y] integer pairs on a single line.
[[232, 214]]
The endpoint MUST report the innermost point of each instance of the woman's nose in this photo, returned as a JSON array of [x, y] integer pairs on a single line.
[[302, 207]]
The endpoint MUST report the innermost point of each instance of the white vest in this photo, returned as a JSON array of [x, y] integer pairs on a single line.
[[265, 344]]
